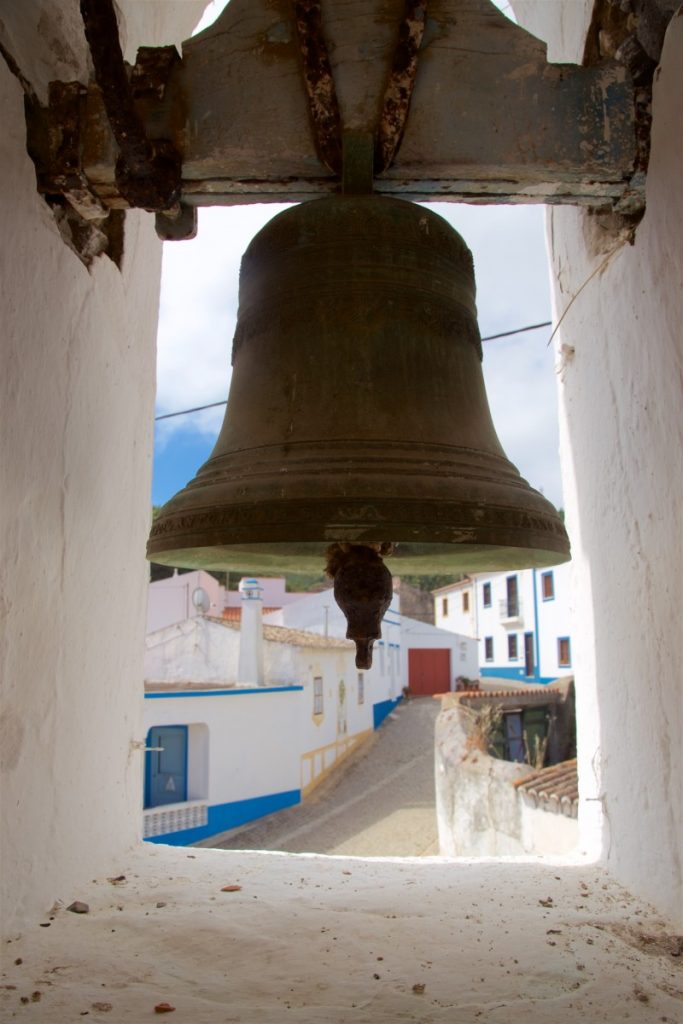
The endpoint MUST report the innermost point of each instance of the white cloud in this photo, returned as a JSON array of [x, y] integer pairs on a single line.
[[198, 313]]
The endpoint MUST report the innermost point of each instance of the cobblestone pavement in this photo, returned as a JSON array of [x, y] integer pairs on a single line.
[[380, 803]]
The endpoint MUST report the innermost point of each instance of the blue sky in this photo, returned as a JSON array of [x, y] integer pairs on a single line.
[[199, 306]]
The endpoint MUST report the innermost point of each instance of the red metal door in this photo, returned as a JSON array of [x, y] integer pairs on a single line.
[[429, 670]]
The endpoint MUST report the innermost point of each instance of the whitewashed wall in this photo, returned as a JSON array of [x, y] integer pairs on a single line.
[[201, 651], [320, 613], [454, 616], [247, 749], [328, 738], [620, 354], [555, 618], [196, 650], [77, 402]]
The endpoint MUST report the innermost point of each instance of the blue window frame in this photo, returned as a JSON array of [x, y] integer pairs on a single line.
[[166, 765], [547, 586], [564, 652]]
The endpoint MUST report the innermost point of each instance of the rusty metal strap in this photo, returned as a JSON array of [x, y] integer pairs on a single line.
[[322, 95], [400, 86], [148, 174]]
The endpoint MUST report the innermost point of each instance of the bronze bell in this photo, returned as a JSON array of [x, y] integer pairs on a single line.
[[357, 412]]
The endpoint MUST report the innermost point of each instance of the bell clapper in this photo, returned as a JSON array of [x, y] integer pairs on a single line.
[[363, 590]]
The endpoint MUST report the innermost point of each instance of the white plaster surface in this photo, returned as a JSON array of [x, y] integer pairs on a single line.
[[545, 832], [562, 24], [77, 401], [250, 663], [312, 939], [620, 360], [257, 745], [250, 743]]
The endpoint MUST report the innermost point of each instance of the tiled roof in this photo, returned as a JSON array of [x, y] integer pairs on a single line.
[[235, 614], [544, 692], [293, 637], [555, 788]]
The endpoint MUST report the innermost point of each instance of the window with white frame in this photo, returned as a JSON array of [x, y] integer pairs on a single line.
[[318, 695], [486, 595], [361, 688], [488, 648], [466, 601], [513, 652], [444, 606]]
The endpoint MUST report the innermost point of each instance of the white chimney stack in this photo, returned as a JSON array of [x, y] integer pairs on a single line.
[[250, 668]]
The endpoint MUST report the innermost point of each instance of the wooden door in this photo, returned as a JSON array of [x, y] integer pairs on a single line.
[[429, 670]]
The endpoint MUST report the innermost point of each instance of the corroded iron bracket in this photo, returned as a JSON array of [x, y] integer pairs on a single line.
[[491, 121]]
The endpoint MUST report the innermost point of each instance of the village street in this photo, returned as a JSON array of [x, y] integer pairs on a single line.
[[380, 802]]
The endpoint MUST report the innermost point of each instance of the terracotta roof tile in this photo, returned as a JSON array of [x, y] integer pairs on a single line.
[[293, 637], [235, 614], [536, 691], [555, 788]]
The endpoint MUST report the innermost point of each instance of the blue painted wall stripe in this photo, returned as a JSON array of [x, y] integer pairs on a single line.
[[382, 709], [223, 817], [220, 693], [505, 672], [537, 639]]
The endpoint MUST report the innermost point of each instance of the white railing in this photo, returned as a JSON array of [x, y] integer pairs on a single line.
[[510, 611], [157, 821]]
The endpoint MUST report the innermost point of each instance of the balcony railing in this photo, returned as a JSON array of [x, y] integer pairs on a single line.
[[510, 612]]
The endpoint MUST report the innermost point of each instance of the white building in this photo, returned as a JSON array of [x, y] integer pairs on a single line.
[[411, 655], [221, 752], [522, 621]]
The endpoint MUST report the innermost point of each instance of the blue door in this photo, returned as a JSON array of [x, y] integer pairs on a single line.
[[166, 765], [514, 737]]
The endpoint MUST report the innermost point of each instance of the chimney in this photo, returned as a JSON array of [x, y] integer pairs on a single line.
[[250, 667]]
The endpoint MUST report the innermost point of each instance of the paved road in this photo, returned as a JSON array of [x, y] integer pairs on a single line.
[[379, 804]]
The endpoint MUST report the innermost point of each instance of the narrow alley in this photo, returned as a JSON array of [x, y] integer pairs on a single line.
[[379, 804]]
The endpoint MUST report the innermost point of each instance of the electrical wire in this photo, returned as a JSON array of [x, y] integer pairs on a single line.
[[215, 405]]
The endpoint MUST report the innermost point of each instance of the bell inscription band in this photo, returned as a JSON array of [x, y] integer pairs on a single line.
[[357, 413]]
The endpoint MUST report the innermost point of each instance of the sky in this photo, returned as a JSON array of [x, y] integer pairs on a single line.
[[198, 313]]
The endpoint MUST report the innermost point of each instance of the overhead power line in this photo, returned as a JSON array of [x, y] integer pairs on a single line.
[[197, 408], [214, 405], [518, 330]]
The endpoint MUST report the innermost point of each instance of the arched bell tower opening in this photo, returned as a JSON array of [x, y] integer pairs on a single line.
[[79, 391]]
